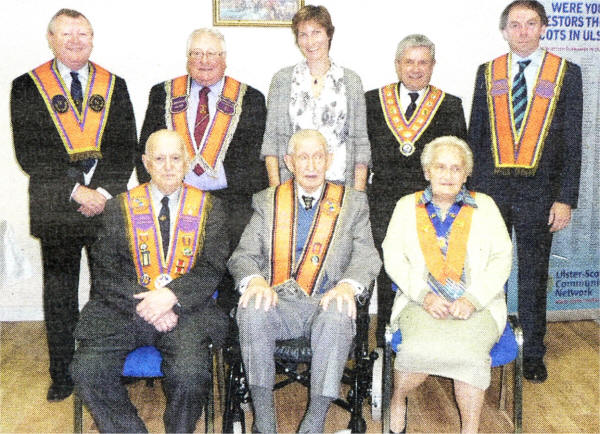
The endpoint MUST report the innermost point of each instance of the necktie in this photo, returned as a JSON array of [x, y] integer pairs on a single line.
[[308, 201], [519, 94], [412, 106], [76, 91], [164, 221], [202, 117]]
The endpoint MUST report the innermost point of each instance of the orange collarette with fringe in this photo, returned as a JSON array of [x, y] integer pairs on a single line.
[[283, 244], [519, 152], [408, 131], [452, 265], [145, 241], [222, 127]]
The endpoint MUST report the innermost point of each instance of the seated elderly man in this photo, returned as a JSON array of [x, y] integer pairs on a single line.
[[304, 260], [160, 254]]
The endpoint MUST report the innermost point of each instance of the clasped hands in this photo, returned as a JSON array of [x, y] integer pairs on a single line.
[[156, 308], [91, 201], [343, 293], [439, 308]]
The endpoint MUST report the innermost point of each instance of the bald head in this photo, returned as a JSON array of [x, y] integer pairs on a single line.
[[165, 160]]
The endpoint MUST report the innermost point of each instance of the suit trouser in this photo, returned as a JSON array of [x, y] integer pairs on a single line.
[[61, 259], [534, 241], [330, 333], [98, 364]]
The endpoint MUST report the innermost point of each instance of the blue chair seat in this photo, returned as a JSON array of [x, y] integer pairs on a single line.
[[143, 362]]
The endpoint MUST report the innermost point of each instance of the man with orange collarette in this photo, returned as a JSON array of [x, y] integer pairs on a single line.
[[222, 121], [402, 118], [74, 136], [157, 262], [303, 262], [525, 132]]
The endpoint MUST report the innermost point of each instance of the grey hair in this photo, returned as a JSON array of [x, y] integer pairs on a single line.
[[433, 147], [71, 13], [206, 31], [415, 40], [305, 134]]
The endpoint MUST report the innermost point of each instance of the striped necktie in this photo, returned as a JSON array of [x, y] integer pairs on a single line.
[[202, 117], [519, 94]]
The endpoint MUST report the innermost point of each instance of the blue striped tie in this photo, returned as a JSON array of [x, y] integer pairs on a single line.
[[519, 94]]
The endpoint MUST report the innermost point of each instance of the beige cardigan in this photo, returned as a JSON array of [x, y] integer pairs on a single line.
[[487, 265]]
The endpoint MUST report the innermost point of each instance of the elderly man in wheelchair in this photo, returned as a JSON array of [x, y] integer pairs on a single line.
[[304, 262]]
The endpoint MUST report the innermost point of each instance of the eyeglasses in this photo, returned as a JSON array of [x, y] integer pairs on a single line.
[[210, 55]]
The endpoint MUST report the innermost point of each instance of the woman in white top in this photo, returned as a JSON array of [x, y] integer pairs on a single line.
[[317, 94]]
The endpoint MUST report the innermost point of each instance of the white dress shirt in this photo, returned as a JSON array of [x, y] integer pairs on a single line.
[[405, 97], [531, 72]]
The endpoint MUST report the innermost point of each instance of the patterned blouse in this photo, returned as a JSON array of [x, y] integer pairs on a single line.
[[326, 113]]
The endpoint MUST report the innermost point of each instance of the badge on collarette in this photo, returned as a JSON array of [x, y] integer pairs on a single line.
[[179, 104], [226, 105], [60, 103], [96, 102]]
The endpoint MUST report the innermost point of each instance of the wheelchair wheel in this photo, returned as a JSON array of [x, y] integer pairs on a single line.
[[377, 386]]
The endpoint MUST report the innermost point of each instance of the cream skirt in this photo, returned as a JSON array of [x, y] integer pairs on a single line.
[[453, 348]]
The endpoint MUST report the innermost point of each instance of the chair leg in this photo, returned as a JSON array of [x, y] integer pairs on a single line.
[[518, 386], [220, 368], [209, 411], [77, 413]]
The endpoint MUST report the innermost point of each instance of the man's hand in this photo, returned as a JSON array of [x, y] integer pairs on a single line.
[[342, 292], [167, 322], [92, 202], [461, 308], [259, 288], [436, 306], [559, 217], [155, 304]]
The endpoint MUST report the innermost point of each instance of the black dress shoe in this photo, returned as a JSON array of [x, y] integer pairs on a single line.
[[535, 370], [58, 391]]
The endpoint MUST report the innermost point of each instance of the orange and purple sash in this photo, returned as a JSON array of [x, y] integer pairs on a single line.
[[153, 267], [81, 133]]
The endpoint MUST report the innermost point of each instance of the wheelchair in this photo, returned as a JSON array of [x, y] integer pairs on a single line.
[[292, 361]]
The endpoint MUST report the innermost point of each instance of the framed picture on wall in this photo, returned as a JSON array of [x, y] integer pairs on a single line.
[[255, 12]]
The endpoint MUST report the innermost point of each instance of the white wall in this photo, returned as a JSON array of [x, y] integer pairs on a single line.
[[144, 42]]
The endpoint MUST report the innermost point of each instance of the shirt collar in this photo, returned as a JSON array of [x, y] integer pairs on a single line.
[[404, 93], [535, 57], [215, 88], [65, 71], [315, 194], [464, 197], [157, 195]]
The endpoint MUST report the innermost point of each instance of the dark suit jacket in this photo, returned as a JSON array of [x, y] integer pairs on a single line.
[[41, 154], [114, 279], [245, 171], [352, 254], [557, 175], [395, 175]]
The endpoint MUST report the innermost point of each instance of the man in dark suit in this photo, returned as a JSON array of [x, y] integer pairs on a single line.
[[223, 122], [304, 260], [528, 158], [402, 118], [159, 257], [74, 135]]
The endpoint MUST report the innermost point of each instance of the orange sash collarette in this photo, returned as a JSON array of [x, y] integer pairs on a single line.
[[283, 244], [518, 152], [81, 133], [221, 130], [154, 270], [452, 265], [408, 131]]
